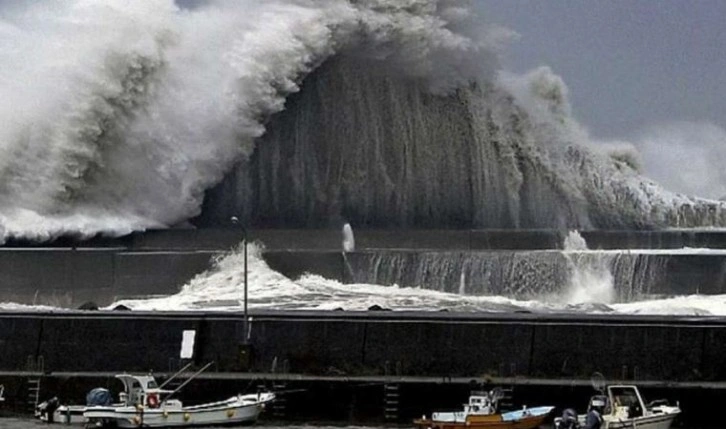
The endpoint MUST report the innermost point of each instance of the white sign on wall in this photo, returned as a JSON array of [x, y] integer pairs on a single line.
[[187, 344]]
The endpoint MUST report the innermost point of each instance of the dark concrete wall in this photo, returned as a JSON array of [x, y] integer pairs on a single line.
[[68, 277], [375, 343]]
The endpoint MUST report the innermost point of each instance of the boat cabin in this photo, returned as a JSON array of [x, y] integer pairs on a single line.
[[626, 401], [140, 389], [621, 402], [480, 403]]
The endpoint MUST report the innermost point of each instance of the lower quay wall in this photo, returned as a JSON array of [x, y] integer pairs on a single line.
[[375, 343], [347, 359]]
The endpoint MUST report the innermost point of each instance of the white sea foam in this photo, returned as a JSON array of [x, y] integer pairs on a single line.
[[13, 306]]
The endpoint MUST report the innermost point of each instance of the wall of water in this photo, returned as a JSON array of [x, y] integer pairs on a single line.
[[362, 143], [544, 275]]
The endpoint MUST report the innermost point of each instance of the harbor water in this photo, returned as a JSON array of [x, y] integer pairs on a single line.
[[23, 423]]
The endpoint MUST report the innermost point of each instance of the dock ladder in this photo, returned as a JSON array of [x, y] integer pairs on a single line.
[[391, 401], [33, 384], [35, 366], [279, 405]]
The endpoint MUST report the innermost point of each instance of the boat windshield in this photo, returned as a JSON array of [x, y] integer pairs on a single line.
[[151, 384], [627, 397], [624, 396]]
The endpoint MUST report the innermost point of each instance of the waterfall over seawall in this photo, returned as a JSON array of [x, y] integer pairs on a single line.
[[548, 275], [362, 143]]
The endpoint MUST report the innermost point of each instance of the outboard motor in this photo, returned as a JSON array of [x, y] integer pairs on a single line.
[[46, 409], [568, 420]]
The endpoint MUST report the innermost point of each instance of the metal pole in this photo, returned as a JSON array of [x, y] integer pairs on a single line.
[[175, 375], [245, 304], [236, 221]]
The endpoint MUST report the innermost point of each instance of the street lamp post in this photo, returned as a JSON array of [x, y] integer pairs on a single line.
[[235, 221]]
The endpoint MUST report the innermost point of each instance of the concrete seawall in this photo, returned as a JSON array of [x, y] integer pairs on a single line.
[[65, 277], [415, 344]]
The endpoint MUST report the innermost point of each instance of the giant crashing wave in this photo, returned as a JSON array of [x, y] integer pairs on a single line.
[[376, 148], [119, 116]]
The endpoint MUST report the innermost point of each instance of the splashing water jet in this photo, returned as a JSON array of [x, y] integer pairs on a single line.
[[348, 239], [590, 278]]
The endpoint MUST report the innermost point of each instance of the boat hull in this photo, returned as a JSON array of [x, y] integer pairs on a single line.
[[494, 422], [161, 417], [659, 421]]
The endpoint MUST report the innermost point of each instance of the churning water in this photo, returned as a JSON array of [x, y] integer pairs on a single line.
[[584, 281]]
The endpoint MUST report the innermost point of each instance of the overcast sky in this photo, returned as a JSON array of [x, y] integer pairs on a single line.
[[629, 64]]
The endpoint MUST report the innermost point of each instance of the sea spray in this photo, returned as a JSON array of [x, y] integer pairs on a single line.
[[118, 116], [590, 278], [220, 288]]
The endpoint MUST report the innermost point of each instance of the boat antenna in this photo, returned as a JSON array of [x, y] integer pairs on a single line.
[[204, 368], [175, 375]]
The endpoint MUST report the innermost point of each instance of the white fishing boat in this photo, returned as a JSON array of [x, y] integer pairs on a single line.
[[144, 403], [622, 406]]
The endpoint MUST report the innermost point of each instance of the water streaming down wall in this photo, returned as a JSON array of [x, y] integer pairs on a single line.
[[549, 275], [364, 143]]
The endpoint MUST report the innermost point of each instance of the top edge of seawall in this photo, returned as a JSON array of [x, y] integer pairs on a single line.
[[331, 239], [379, 316]]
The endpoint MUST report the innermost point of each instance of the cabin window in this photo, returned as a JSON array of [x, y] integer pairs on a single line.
[[624, 397], [151, 385]]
